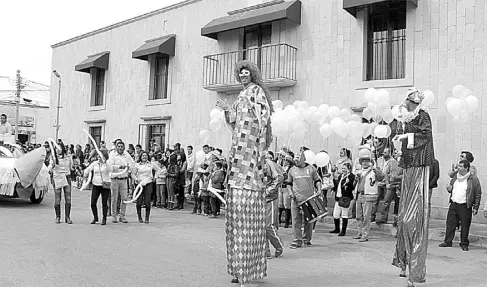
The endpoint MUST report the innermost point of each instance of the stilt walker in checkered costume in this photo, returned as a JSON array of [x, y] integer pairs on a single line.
[[249, 118]]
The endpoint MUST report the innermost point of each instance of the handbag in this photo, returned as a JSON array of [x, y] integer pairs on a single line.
[[105, 185], [344, 202]]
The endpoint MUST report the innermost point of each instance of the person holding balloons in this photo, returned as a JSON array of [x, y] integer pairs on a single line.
[[415, 132], [249, 118]]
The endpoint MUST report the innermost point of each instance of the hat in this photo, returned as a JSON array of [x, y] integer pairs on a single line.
[[290, 160], [415, 95], [365, 152]]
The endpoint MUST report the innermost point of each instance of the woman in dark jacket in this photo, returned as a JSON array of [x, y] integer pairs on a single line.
[[344, 195]]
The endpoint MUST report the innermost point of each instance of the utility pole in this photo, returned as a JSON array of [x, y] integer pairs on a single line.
[[17, 104], [58, 103]]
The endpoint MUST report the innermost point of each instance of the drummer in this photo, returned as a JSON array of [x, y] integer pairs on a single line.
[[305, 183]]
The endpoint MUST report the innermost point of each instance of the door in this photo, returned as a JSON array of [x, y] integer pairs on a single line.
[[256, 44]]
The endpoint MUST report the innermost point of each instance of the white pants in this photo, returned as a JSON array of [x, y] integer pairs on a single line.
[[340, 212]]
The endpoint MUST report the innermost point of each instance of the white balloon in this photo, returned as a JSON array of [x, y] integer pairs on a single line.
[[457, 91], [380, 131], [372, 126], [324, 108], [303, 105], [367, 113], [382, 97], [204, 135], [398, 112], [322, 159], [326, 131], [387, 116], [300, 129], [371, 95], [429, 98], [313, 109], [356, 118], [296, 103], [472, 103], [456, 106], [310, 157], [215, 113], [277, 104], [200, 157], [367, 130], [372, 107], [333, 112], [345, 114], [215, 124], [355, 129]]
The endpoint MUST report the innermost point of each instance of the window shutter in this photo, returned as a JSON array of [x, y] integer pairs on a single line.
[[93, 73], [152, 76]]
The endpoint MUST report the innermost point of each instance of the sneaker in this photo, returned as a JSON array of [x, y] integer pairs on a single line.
[[114, 220], [204, 214], [358, 237], [278, 253], [199, 213], [363, 240], [123, 220], [445, 244], [308, 244], [295, 245]]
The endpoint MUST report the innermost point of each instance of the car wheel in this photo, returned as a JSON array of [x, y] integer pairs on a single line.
[[35, 200]]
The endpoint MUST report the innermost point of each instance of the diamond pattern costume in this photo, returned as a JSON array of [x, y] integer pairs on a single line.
[[245, 217]]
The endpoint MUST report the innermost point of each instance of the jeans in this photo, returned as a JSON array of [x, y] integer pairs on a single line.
[[298, 223], [388, 198], [206, 204], [119, 187], [271, 226], [96, 191], [146, 193], [375, 206], [458, 212], [161, 194], [364, 211], [215, 204], [171, 182]]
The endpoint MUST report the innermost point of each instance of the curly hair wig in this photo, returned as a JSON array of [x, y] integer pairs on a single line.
[[256, 78]]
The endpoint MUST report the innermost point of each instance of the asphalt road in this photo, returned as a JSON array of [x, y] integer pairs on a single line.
[[180, 249]]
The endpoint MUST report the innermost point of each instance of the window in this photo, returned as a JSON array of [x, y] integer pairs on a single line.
[[95, 132], [255, 38], [160, 76], [386, 41], [98, 87], [158, 133]]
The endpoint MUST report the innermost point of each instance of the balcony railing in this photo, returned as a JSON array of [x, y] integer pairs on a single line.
[[277, 64]]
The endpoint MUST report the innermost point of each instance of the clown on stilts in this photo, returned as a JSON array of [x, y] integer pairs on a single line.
[[415, 132]]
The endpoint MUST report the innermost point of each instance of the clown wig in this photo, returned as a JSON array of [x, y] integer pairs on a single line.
[[256, 78]]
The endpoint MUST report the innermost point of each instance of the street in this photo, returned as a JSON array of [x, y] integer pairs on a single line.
[[180, 249]]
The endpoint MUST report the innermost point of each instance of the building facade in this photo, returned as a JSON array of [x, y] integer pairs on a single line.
[[158, 75]]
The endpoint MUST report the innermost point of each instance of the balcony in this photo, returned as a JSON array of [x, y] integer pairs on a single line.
[[277, 64]]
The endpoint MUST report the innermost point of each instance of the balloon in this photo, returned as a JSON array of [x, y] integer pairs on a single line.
[[323, 109], [322, 159], [313, 109], [429, 98], [290, 108], [380, 131], [215, 124], [387, 116], [295, 118], [367, 130], [372, 107], [472, 103], [279, 130], [382, 97], [389, 131], [204, 135], [345, 114], [215, 113], [373, 125], [465, 93], [326, 131], [371, 95], [200, 157], [378, 118], [398, 112], [300, 129], [457, 91], [355, 129], [456, 106], [356, 118], [383, 109], [337, 125], [277, 104], [308, 114], [303, 105], [310, 157], [296, 103], [367, 113], [333, 112]]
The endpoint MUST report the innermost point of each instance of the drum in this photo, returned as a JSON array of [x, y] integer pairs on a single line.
[[313, 209]]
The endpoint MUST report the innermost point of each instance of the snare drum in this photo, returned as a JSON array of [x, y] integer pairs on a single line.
[[313, 209]]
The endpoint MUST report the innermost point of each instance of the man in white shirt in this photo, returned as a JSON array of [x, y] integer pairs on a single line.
[[119, 161], [5, 127], [191, 159], [465, 198]]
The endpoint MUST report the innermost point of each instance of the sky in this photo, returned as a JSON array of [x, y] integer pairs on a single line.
[[28, 28]]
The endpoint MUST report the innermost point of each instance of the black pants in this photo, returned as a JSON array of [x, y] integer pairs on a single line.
[[95, 194], [458, 212], [215, 204], [206, 204], [375, 206], [197, 203], [145, 198]]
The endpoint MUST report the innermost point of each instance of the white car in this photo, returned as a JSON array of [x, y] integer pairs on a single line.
[[23, 175]]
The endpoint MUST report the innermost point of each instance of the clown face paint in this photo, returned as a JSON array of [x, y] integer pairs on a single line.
[[244, 76]]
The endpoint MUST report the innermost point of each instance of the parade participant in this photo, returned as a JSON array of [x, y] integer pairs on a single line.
[[366, 188], [305, 182], [465, 194], [118, 162], [345, 157], [101, 186], [392, 179], [273, 179], [343, 198], [5, 127], [249, 119], [285, 191], [143, 172], [415, 132], [61, 167]]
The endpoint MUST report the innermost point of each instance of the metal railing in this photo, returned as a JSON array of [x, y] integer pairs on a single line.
[[277, 61]]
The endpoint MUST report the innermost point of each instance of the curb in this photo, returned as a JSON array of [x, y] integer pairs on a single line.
[[435, 234]]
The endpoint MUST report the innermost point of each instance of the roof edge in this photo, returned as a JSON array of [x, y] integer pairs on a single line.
[[126, 22]]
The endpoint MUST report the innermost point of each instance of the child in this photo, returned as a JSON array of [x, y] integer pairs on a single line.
[[204, 193], [197, 198], [161, 177], [217, 179], [171, 180]]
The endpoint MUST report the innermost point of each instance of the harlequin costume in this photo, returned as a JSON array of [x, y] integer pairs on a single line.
[[249, 119], [417, 156]]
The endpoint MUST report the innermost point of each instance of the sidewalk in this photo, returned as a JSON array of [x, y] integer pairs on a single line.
[[477, 236]]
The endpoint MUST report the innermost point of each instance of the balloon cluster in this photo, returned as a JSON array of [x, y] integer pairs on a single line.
[[321, 159], [461, 104], [217, 116]]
